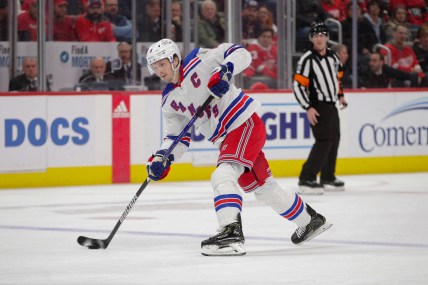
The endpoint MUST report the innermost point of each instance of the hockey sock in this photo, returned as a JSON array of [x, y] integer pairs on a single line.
[[227, 194], [285, 202]]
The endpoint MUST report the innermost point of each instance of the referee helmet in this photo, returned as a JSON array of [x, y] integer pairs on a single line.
[[318, 28]]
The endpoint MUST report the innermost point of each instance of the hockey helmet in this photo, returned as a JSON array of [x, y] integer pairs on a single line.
[[318, 28], [164, 48]]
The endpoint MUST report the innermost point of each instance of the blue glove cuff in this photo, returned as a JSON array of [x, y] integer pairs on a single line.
[[230, 67], [169, 159]]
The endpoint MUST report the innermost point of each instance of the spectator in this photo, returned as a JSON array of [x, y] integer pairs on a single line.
[[84, 6], [307, 12], [362, 52], [347, 27], [177, 21], [270, 4], [420, 48], [124, 73], [371, 28], [342, 53], [75, 7], [265, 18], [221, 7], [4, 22], [151, 26], [380, 75], [363, 4], [402, 55], [211, 27], [336, 8], [25, 4], [93, 26], [250, 26], [125, 8], [398, 16], [27, 22], [417, 11], [120, 25], [264, 59], [63, 24], [97, 78], [27, 81]]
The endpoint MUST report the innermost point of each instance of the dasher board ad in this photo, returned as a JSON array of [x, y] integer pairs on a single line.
[[38, 132], [388, 124]]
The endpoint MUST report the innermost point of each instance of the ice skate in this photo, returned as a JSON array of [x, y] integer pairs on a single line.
[[335, 185], [230, 241], [316, 226], [307, 187]]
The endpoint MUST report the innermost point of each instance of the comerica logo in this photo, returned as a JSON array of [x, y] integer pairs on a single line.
[[372, 136], [121, 111]]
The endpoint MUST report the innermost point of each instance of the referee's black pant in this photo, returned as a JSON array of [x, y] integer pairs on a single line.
[[323, 155]]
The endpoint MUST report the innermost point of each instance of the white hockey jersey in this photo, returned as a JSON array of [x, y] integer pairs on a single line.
[[181, 101]]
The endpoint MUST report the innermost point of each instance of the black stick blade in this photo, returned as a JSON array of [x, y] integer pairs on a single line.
[[92, 243]]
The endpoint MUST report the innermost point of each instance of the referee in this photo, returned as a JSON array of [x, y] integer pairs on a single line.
[[317, 88]]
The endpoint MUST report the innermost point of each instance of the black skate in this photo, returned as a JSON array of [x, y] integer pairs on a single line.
[[335, 185], [307, 187], [230, 241], [316, 226]]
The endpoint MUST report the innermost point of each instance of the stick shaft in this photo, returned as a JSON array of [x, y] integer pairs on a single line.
[[127, 210], [146, 182]]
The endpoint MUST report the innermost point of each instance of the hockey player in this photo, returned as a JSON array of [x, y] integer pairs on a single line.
[[231, 123]]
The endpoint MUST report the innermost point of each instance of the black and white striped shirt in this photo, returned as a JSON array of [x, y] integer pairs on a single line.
[[317, 78]]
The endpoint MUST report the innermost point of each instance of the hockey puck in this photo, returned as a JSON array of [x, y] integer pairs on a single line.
[[93, 247]]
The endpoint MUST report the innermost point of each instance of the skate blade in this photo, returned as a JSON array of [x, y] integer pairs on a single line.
[[329, 188], [320, 230], [231, 250], [304, 190]]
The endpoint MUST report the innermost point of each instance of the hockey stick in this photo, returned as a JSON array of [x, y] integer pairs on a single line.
[[93, 243]]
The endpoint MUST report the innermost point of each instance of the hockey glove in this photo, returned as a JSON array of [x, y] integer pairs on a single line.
[[218, 85], [158, 167]]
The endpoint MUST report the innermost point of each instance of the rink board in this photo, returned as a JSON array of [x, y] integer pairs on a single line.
[[102, 138]]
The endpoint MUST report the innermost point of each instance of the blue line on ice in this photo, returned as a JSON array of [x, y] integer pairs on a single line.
[[166, 234]]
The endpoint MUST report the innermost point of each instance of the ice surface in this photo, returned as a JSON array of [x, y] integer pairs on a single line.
[[379, 236]]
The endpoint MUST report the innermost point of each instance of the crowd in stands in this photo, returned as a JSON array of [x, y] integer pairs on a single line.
[[392, 34]]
